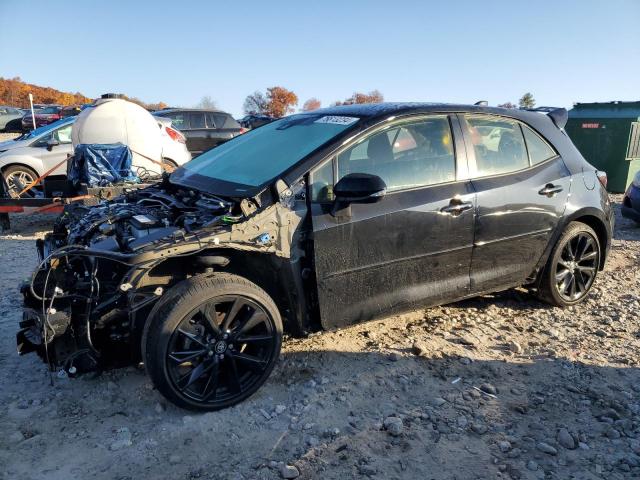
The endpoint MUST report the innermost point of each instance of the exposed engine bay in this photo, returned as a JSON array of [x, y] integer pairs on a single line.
[[102, 268]]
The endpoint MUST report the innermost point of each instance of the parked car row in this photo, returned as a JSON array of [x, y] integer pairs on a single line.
[[34, 153], [203, 129], [20, 120]]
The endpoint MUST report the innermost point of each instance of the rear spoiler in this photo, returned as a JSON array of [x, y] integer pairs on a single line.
[[559, 117]]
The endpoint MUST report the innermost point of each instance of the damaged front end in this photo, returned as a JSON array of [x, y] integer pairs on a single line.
[[103, 268]]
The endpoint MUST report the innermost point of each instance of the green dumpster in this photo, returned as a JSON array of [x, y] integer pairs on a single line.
[[608, 136]]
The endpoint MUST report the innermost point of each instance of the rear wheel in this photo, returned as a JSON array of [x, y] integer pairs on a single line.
[[18, 177], [212, 341], [572, 266]]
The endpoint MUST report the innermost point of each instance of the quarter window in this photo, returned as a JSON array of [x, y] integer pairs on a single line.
[[178, 120], [539, 150], [498, 145], [411, 155]]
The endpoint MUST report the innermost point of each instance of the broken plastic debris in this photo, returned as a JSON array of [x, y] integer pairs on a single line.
[[456, 380], [263, 239]]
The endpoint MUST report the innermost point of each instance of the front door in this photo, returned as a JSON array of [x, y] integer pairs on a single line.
[[56, 154], [411, 248], [522, 188]]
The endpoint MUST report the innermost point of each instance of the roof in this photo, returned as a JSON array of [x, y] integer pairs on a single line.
[[176, 109], [615, 109], [372, 110]]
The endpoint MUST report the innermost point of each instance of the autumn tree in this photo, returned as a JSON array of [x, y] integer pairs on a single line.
[[527, 101], [281, 101], [373, 96], [277, 102], [206, 102], [312, 104]]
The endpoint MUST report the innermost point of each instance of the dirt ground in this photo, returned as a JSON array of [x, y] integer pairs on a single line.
[[501, 386]]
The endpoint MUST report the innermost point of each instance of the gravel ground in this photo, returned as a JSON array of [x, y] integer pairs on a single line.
[[500, 386]]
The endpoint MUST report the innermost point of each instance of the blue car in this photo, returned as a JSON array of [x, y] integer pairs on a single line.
[[631, 201]]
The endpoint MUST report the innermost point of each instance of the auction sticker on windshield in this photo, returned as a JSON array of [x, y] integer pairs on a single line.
[[337, 120]]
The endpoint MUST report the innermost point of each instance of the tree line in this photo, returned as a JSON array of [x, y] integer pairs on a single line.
[[15, 92], [279, 101]]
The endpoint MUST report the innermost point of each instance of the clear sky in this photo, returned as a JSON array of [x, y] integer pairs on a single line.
[[562, 51]]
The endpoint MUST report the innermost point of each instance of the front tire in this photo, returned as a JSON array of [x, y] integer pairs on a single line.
[[572, 266], [212, 341], [18, 177]]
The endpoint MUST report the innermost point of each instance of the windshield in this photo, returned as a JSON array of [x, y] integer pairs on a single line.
[[256, 157], [46, 128]]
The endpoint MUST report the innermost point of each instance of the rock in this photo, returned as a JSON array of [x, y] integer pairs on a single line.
[[16, 437], [504, 446], [289, 471], [601, 333], [123, 439], [265, 414], [419, 349], [23, 404], [565, 439], [439, 401], [280, 409], [546, 448], [368, 470], [159, 408], [532, 465], [394, 357], [462, 421], [488, 388], [479, 428], [515, 347], [393, 425]]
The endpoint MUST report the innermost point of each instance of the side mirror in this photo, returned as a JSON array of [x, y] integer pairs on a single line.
[[356, 188], [52, 143]]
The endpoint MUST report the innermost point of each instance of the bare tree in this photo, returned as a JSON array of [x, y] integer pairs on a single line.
[[206, 102], [508, 105], [256, 104]]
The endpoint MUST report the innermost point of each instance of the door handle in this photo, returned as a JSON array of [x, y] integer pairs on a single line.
[[550, 190], [456, 207]]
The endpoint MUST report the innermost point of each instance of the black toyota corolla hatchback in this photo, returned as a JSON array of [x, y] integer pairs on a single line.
[[317, 220]]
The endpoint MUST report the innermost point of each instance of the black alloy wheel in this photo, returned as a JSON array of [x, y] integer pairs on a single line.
[[221, 349], [219, 352], [572, 266], [577, 266]]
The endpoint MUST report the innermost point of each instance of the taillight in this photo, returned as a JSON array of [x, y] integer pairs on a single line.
[[243, 130], [175, 135], [602, 178]]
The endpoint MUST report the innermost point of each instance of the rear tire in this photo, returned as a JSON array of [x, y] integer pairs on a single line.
[[572, 266], [212, 341]]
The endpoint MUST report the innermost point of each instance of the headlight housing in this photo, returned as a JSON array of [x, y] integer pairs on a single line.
[[636, 179]]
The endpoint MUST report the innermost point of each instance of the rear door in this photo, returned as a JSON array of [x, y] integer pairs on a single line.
[[411, 248], [220, 129], [522, 188]]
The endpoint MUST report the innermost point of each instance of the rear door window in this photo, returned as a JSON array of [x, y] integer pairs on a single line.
[[539, 150], [196, 120], [498, 145], [179, 120]]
